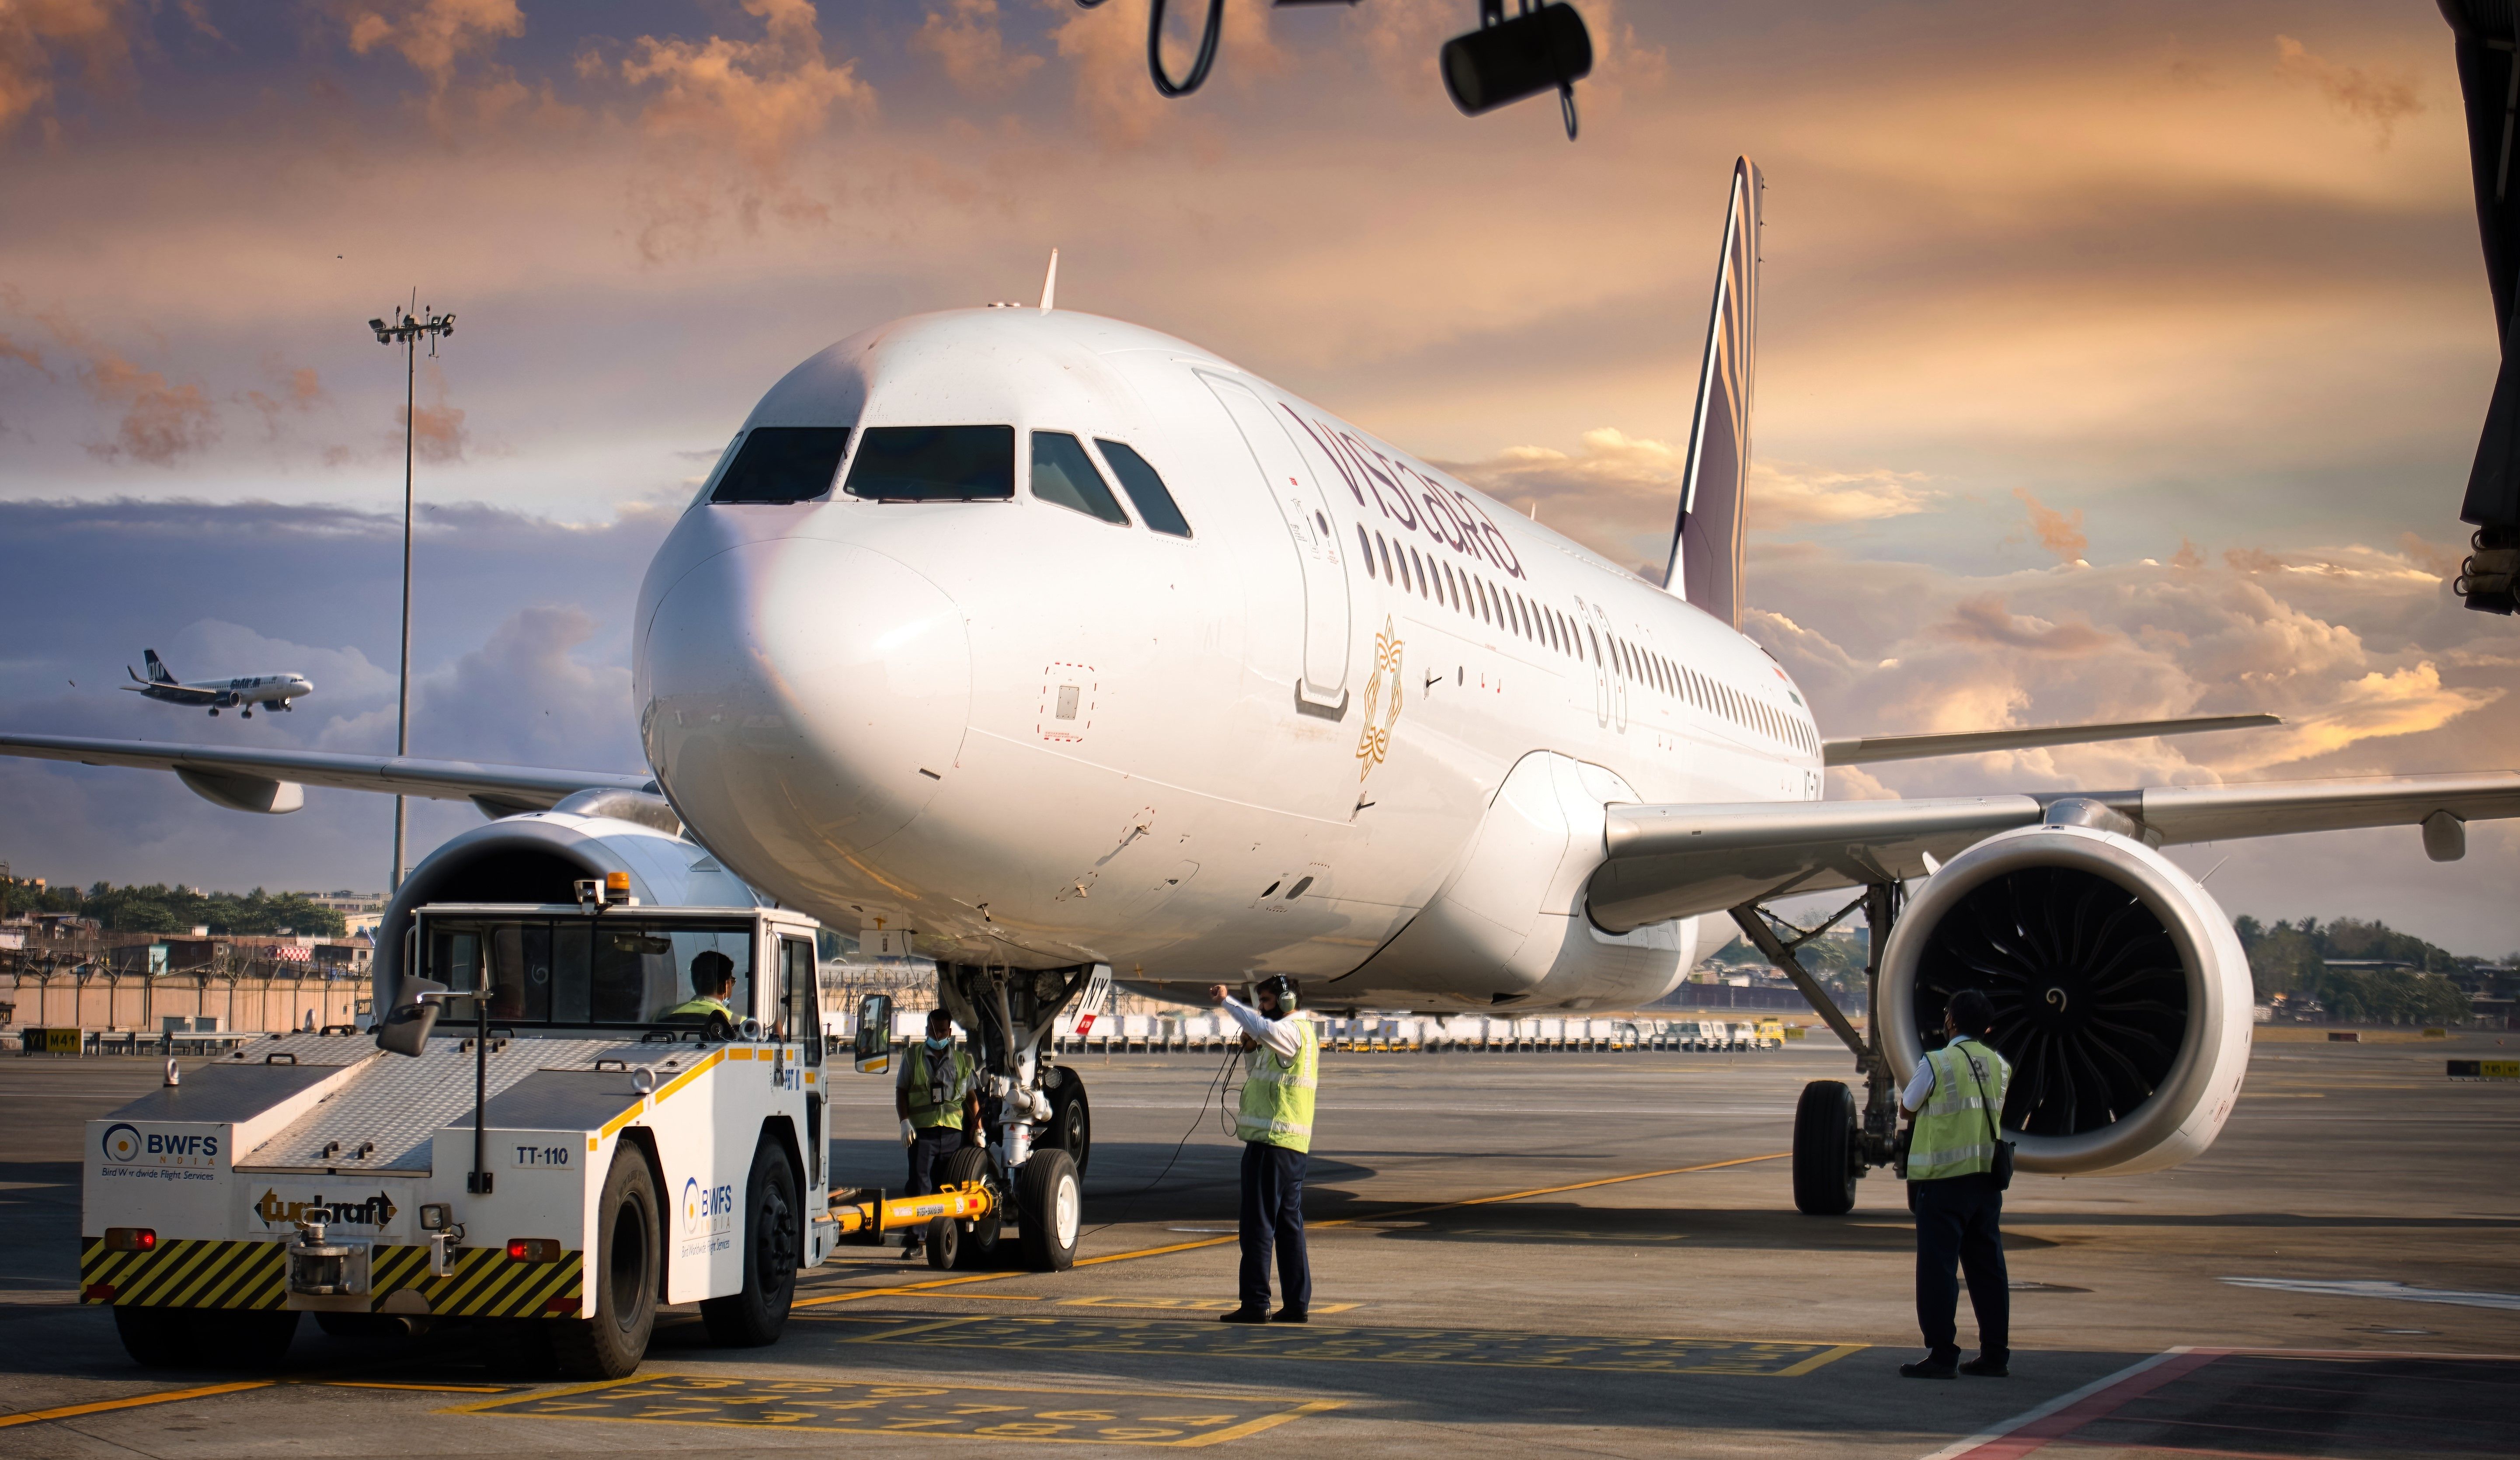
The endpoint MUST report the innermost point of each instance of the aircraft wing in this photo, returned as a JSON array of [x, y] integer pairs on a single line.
[[1978, 742], [172, 693], [496, 789], [1669, 862]]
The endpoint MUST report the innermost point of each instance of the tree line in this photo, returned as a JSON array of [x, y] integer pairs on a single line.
[[160, 909]]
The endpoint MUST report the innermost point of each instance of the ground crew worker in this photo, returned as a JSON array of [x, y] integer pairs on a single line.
[[938, 1100], [1955, 1098], [712, 985], [1280, 1069]]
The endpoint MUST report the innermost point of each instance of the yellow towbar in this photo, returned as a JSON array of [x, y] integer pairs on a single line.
[[963, 1203]]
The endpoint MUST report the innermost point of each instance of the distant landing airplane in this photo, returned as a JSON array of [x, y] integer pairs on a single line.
[[272, 691]]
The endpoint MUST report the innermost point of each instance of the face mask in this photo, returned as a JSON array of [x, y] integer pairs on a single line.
[[938, 1044]]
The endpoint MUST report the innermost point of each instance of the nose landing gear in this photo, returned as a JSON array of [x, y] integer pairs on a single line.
[[1039, 1127]]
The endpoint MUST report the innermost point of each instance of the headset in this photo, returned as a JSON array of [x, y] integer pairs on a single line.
[[1289, 997]]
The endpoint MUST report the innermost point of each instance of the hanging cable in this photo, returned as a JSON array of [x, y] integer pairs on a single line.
[[1165, 85], [1205, 1101]]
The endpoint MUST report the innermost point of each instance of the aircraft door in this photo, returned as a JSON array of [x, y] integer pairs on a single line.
[[1314, 533], [1597, 649]]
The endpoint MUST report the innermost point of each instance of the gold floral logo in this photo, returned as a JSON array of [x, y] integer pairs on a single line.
[[1374, 744]]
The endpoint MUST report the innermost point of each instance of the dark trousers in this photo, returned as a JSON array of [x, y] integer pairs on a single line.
[[1959, 1221], [1272, 1215], [928, 1150]]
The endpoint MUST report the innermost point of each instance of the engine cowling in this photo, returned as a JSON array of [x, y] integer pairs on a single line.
[[2121, 995], [540, 855]]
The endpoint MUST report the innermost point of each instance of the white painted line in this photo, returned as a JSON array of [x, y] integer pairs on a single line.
[[2373, 1288], [2030, 1417]]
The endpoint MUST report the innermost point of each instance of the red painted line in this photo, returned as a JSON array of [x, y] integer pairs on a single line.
[[2039, 1430]]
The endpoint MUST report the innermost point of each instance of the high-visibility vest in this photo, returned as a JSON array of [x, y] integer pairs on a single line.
[[699, 1005], [1954, 1136], [926, 1111], [1276, 1107]]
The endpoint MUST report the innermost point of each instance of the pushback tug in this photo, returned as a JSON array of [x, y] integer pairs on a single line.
[[586, 1147]]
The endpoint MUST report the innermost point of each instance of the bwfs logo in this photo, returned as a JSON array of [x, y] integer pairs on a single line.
[[706, 1208], [129, 1146]]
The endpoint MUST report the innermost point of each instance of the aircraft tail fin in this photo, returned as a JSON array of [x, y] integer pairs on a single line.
[[158, 673], [1705, 567]]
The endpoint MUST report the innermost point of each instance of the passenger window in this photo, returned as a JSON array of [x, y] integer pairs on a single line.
[[783, 463], [1062, 473], [1365, 544], [1155, 507], [934, 463]]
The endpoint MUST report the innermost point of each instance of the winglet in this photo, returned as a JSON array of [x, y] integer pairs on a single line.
[[1705, 567], [1050, 283]]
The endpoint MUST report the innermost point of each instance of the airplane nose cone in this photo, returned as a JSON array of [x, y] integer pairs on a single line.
[[802, 696]]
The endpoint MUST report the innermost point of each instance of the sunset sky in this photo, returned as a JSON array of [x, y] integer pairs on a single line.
[[2116, 359]]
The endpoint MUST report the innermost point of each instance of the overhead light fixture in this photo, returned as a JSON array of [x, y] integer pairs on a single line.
[[1542, 48]]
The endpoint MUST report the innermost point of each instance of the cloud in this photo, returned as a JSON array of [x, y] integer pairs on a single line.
[[437, 433], [524, 698], [294, 391], [758, 102], [1619, 494], [36, 37], [2379, 98], [965, 39], [1985, 620], [433, 35], [2059, 532], [27, 355]]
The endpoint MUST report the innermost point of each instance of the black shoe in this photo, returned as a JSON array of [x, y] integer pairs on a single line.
[[1930, 1368], [1290, 1314], [912, 1251], [1983, 1367], [1244, 1316]]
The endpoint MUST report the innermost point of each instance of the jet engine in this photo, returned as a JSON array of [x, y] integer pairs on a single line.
[[539, 857], [2121, 995]]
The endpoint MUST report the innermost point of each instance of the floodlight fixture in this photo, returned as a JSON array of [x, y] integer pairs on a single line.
[[407, 328], [1545, 46]]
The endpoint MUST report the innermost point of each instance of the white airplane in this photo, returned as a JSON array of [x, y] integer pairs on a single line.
[[1061, 644], [272, 691]]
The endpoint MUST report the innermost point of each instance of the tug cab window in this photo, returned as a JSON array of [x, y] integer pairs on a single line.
[[934, 463], [576, 971], [1062, 473], [1155, 507], [783, 463]]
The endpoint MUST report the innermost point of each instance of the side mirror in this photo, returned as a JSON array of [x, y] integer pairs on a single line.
[[406, 1028], [874, 1050]]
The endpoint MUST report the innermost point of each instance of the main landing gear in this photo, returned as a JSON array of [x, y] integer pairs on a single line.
[[1039, 1127], [1835, 1145]]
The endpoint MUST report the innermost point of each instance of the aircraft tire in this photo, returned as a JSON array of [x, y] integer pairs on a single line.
[[751, 1318], [157, 1338], [1824, 1169], [242, 1338], [622, 1279], [1071, 1119], [977, 1244], [1051, 1205]]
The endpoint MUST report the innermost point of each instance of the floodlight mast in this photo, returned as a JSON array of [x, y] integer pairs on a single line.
[[406, 329]]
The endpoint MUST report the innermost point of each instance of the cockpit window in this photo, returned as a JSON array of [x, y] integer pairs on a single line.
[[1145, 488], [783, 463], [1063, 473], [934, 463]]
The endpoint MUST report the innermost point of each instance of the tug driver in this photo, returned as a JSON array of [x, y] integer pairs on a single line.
[[712, 985], [1281, 1070]]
